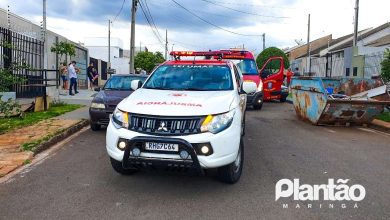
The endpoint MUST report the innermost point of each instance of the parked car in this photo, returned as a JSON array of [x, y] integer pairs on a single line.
[[188, 115], [115, 90]]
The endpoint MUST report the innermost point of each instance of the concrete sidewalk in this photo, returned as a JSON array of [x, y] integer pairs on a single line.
[[12, 155]]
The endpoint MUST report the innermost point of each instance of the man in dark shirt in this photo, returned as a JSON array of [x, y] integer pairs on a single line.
[[90, 75]]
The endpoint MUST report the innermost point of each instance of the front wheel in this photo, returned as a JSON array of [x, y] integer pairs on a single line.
[[231, 173], [95, 127], [117, 166], [258, 104]]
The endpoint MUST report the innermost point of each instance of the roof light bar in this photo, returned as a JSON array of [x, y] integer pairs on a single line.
[[208, 54]]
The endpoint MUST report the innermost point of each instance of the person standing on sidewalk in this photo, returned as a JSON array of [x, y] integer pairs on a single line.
[[90, 75], [64, 77], [72, 71]]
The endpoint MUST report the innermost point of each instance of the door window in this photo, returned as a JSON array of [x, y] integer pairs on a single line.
[[272, 67]]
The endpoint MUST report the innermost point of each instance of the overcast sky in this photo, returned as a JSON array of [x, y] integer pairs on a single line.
[[283, 21]]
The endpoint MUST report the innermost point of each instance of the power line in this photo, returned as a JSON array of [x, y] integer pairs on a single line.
[[256, 5], [244, 12], [150, 15], [120, 11], [152, 26], [212, 24]]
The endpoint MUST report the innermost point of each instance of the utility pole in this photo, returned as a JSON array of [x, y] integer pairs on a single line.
[[166, 44], [263, 41], [44, 35], [355, 32], [308, 44], [109, 42], [132, 37], [8, 18]]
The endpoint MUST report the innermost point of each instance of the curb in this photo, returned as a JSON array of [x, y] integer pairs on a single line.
[[380, 125], [61, 136]]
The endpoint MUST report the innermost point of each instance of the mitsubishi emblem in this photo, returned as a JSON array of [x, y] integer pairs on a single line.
[[162, 126]]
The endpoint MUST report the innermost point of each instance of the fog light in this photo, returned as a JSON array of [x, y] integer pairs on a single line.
[[136, 152], [184, 154], [122, 145], [259, 101], [204, 150]]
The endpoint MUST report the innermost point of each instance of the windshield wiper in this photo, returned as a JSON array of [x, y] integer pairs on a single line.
[[193, 89], [159, 88]]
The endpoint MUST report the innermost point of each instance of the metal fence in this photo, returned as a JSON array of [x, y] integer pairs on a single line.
[[19, 50], [372, 64]]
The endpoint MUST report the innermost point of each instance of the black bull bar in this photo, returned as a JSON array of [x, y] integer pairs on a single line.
[[130, 161]]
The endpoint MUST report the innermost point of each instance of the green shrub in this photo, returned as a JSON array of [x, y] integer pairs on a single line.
[[272, 52]]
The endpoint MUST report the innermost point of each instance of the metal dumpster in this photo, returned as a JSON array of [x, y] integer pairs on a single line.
[[329, 101]]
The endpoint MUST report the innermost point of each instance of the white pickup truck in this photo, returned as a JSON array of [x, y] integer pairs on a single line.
[[188, 115]]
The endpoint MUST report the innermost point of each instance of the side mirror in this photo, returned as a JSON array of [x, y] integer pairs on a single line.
[[136, 84], [249, 87], [97, 89]]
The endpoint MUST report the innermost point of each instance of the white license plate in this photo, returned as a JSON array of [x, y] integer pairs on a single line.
[[153, 146]]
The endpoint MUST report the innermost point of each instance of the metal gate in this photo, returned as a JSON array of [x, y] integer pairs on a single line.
[[20, 50]]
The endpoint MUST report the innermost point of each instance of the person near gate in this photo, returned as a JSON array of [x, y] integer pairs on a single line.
[[64, 77], [90, 75], [72, 71]]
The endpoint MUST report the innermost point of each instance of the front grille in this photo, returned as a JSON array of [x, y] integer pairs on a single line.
[[159, 125], [104, 121]]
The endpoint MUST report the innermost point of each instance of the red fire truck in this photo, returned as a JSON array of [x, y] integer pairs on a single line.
[[269, 79], [247, 64]]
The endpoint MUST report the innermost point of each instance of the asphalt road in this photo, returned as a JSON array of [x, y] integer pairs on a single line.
[[77, 182]]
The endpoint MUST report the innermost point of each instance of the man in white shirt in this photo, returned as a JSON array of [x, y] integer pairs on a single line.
[[72, 77]]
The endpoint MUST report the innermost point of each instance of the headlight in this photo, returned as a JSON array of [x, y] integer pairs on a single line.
[[217, 123], [120, 119], [260, 87], [98, 105]]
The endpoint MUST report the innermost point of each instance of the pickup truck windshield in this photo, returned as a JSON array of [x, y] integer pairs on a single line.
[[247, 66], [121, 82], [191, 77]]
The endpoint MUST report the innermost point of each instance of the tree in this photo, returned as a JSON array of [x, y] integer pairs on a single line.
[[63, 48], [271, 52], [385, 70], [148, 60]]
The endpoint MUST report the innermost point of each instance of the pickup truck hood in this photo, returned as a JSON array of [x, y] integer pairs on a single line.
[[177, 103]]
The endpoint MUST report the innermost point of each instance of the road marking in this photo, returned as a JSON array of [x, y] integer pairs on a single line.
[[375, 131], [329, 130], [39, 158]]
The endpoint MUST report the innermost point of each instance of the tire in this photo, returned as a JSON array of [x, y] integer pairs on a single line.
[[117, 166], [231, 173], [258, 107], [95, 127]]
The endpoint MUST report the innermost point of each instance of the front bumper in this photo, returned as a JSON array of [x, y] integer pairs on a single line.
[[255, 98], [99, 116], [225, 146], [131, 161]]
